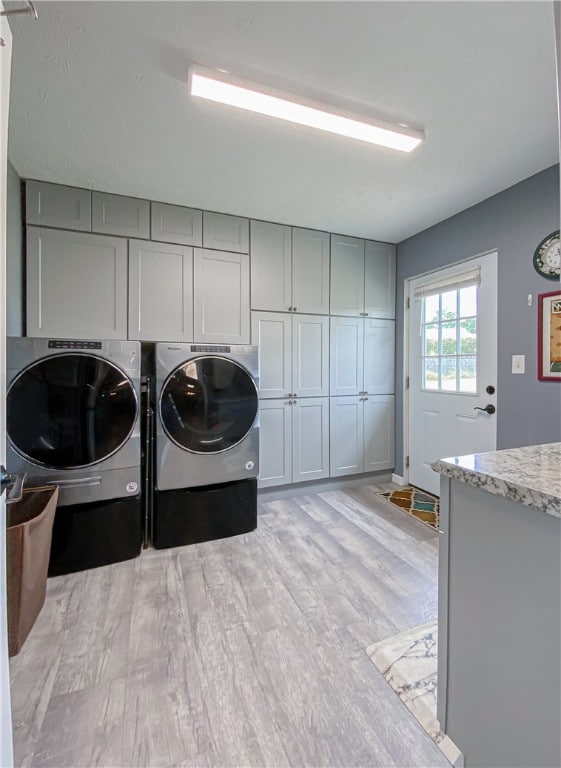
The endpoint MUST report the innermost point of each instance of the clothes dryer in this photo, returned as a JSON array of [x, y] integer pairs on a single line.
[[73, 421]]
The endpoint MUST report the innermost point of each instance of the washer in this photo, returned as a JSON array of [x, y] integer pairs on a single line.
[[207, 427], [73, 421]]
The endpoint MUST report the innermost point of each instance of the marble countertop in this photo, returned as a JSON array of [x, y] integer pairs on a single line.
[[529, 475]]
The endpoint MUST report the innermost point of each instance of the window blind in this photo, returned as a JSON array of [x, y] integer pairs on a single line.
[[450, 283]]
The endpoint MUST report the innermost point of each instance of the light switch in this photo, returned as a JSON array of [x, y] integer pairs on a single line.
[[518, 363]]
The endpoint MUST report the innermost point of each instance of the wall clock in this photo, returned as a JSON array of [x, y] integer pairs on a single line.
[[547, 257]]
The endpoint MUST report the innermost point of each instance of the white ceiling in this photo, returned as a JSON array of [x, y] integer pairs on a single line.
[[99, 100]]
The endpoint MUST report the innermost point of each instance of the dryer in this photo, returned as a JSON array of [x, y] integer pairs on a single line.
[[207, 442], [207, 401], [73, 421]]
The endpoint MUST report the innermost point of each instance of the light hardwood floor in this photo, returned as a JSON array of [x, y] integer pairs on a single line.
[[248, 651]]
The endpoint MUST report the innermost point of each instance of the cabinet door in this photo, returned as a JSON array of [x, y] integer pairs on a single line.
[[275, 443], [310, 271], [160, 292], [225, 233], [347, 353], [271, 332], [347, 276], [310, 355], [379, 356], [346, 436], [379, 432], [175, 224], [76, 285], [118, 215], [310, 439], [379, 279], [271, 266], [221, 297], [54, 205]]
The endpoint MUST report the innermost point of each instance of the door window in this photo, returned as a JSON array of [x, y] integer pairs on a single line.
[[70, 411], [449, 336], [208, 404]]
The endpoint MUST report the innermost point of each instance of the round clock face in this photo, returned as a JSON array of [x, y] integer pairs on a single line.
[[547, 257]]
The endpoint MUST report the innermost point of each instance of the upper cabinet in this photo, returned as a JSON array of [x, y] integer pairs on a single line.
[[76, 285], [225, 233], [379, 279], [289, 269], [310, 271], [362, 278], [118, 215], [271, 266], [221, 297], [175, 224], [160, 291], [54, 205]]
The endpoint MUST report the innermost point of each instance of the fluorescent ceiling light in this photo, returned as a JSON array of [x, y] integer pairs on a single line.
[[225, 89]]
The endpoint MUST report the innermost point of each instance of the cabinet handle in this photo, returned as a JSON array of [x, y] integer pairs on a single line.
[[290, 309], [294, 309]]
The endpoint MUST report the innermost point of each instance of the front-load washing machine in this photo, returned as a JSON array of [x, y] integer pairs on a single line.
[[207, 442], [73, 421]]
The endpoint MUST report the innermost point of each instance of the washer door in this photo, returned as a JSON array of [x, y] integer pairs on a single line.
[[208, 404], [70, 411]]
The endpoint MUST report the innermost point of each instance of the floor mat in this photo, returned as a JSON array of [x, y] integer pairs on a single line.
[[420, 504], [408, 662]]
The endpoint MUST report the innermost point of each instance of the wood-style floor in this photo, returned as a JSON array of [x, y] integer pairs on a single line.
[[248, 651]]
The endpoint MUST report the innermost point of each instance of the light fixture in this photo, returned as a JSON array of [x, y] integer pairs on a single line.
[[226, 89]]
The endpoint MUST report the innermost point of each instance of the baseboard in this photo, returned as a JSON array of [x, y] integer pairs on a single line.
[[331, 484], [398, 480]]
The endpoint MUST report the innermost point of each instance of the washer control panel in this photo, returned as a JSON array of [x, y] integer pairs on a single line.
[[64, 344]]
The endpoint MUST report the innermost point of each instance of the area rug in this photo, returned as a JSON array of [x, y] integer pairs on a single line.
[[408, 662], [420, 504]]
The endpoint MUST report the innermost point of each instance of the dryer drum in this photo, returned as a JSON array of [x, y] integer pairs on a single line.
[[70, 411], [208, 404]]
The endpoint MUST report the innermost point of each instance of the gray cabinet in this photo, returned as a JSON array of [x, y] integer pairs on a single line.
[[118, 215], [347, 276], [362, 356], [310, 271], [362, 278], [160, 291], [225, 233], [379, 279], [271, 266], [221, 297], [55, 205], [76, 285], [175, 224], [293, 354], [379, 356], [361, 434], [294, 441]]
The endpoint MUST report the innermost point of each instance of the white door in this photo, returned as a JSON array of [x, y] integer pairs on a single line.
[[379, 432], [347, 276], [347, 356], [452, 366], [379, 356], [379, 279], [6, 750]]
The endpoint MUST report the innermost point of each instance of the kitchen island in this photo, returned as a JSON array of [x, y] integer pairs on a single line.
[[499, 624]]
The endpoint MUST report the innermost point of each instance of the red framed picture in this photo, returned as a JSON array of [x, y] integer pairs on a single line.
[[549, 336]]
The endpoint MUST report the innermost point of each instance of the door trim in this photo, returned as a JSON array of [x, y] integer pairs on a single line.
[[407, 302]]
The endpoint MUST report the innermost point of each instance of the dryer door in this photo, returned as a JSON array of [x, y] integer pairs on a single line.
[[208, 404], [70, 411]]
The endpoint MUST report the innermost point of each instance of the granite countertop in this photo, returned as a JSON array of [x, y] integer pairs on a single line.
[[529, 475]]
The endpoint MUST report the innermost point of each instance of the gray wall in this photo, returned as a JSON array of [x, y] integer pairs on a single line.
[[513, 222], [14, 259]]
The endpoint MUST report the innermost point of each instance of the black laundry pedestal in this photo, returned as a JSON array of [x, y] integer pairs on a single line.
[[193, 515], [93, 534]]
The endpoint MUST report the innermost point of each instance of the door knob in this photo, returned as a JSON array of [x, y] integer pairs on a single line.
[[490, 389], [488, 409]]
